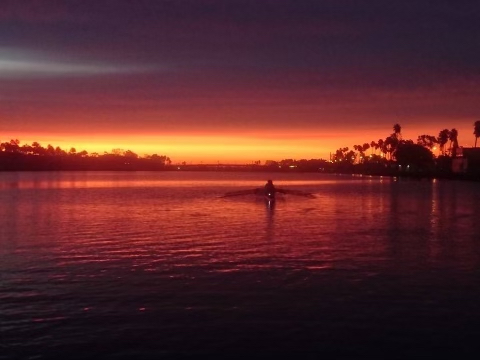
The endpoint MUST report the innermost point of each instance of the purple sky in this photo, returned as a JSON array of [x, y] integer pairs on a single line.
[[343, 71]]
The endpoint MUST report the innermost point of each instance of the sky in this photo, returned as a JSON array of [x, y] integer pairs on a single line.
[[236, 81]]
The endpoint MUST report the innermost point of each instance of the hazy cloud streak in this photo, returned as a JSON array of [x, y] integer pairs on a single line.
[[25, 64]]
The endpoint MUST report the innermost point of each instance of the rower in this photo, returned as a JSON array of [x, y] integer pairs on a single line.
[[270, 189]]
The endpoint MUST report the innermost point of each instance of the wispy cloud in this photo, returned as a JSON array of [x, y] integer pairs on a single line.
[[24, 64]]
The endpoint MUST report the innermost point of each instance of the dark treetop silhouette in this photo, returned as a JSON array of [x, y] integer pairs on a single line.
[[14, 156]]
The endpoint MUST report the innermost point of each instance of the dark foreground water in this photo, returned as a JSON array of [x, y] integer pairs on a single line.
[[151, 265]]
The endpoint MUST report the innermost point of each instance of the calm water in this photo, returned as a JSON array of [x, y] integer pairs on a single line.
[[140, 265]]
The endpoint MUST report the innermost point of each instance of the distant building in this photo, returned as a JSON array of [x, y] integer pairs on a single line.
[[467, 161]]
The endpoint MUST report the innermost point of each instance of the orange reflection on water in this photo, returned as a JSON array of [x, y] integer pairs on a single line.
[[169, 223]]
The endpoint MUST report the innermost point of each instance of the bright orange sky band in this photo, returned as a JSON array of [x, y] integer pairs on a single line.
[[225, 148]]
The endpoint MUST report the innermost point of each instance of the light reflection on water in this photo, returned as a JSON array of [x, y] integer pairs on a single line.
[[91, 252]]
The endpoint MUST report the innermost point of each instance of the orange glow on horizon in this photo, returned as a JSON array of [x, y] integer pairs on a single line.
[[208, 148], [223, 147]]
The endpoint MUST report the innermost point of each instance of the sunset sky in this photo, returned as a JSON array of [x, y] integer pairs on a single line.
[[236, 80]]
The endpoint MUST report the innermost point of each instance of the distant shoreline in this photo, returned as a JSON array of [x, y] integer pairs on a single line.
[[15, 161], [419, 175]]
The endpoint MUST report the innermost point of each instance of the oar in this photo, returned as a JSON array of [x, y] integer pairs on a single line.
[[241, 192], [296, 192]]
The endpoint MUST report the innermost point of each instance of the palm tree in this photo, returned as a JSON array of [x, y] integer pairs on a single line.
[[453, 137], [391, 144], [373, 145], [381, 146], [397, 131], [443, 137], [476, 131]]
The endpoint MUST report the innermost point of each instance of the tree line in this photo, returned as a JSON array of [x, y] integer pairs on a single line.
[[370, 157], [393, 146], [395, 155], [16, 156]]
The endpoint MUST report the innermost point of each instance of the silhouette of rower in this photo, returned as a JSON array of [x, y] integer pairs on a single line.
[[270, 189]]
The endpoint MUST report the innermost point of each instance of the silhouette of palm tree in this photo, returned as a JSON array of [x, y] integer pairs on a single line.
[[381, 146], [453, 137], [476, 131], [397, 131], [443, 137], [391, 144]]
